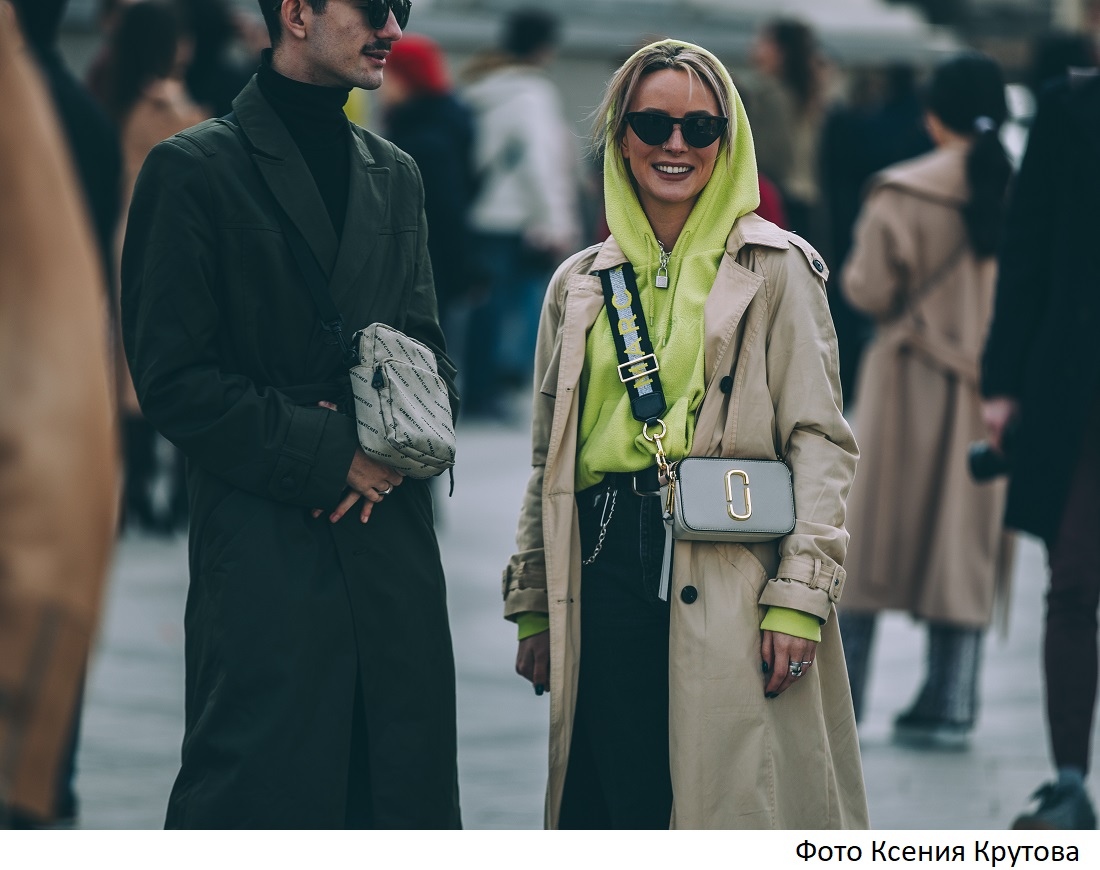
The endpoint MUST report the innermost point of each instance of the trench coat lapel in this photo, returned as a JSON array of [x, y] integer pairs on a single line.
[[583, 305], [734, 288], [369, 186], [286, 174]]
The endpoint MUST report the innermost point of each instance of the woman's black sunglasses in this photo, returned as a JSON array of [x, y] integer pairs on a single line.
[[699, 131], [378, 12]]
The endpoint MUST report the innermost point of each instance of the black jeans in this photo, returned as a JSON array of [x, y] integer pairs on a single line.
[[1070, 644], [618, 775]]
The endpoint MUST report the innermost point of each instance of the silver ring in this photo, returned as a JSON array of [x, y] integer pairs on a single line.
[[795, 669], [385, 491]]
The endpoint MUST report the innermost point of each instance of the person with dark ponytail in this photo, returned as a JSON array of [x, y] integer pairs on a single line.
[[926, 538]]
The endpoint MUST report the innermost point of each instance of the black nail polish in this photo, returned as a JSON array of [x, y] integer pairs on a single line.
[[770, 695], [539, 689], [764, 667]]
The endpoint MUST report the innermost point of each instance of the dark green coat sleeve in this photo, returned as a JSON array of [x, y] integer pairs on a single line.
[[253, 438]]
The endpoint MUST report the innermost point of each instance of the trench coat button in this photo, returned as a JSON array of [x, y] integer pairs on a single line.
[[689, 594], [819, 265], [287, 483], [726, 385]]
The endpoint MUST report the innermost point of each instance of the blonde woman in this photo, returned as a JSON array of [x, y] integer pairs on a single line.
[[725, 703]]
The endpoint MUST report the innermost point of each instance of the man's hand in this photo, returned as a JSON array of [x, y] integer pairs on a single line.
[[997, 413], [777, 651], [367, 480], [533, 660]]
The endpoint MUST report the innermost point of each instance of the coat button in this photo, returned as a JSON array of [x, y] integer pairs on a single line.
[[689, 594], [726, 385], [287, 483], [819, 265]]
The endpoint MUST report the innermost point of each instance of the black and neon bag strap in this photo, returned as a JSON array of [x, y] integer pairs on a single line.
[[638, 368]]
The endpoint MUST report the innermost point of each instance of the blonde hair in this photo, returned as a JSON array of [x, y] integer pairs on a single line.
[[610, 125]]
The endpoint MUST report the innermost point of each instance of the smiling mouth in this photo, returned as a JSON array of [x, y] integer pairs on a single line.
[[667, 169]]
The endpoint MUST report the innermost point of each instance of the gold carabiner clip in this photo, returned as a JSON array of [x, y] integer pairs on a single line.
[[655, 438]]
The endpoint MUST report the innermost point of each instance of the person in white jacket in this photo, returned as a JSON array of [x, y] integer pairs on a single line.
[[525, 213]]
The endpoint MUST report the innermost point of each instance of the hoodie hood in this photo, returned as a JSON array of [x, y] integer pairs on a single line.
[[733, 191]]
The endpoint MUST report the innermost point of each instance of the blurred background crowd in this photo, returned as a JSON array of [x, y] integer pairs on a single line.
[[497, 116], [495, 106], [493, 99]]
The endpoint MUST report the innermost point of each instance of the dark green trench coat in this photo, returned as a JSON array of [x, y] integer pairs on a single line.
[[284, 612]]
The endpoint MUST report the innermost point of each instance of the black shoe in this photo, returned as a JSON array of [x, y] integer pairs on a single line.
[[931, 732], [1062, 807]]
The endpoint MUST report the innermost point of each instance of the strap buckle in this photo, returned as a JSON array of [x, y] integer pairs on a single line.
[[629, 364]]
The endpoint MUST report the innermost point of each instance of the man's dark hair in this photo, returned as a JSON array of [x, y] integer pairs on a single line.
[[40, 20], [270, 10], [528, 31]]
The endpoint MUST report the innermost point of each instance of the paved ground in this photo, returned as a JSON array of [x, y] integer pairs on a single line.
[[134, 708]]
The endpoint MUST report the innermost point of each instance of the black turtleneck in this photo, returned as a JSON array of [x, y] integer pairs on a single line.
[[314, 115]]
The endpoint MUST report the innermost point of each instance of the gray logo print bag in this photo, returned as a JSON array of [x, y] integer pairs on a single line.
[[402, 410]]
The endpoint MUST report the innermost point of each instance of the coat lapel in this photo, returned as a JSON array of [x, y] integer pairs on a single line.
[[284, 171], [369, 188], [735, 286]]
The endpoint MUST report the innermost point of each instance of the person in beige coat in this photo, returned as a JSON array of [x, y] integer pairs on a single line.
[[926, 538], [57, 452], [726, 704], [144, 94]]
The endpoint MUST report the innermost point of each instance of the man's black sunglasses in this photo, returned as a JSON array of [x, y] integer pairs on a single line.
[[699, 131], [377, 11]]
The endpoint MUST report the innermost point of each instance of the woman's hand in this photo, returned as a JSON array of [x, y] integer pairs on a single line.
[[777, 651], [533, 660], [997, 413]]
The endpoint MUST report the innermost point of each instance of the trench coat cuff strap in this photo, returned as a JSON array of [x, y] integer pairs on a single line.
[[523, 584], [313, 463], [525, 601], [809, 585]]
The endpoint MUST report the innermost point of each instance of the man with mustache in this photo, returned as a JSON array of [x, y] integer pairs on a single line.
[[320, 678]]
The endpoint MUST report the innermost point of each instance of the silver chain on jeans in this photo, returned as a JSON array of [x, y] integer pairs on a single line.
[[605, 520]]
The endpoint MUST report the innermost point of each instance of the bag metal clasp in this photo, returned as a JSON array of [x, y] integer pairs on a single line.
[[730, 509]]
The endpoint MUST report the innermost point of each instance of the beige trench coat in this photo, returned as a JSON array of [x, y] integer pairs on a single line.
[[925, 538], [738, 760], [159, 113], [58, 465]]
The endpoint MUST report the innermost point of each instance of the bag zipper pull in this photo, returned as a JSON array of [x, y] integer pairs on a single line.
[[378, 381]]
